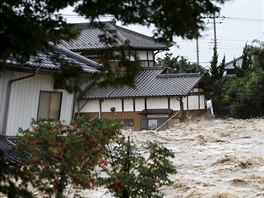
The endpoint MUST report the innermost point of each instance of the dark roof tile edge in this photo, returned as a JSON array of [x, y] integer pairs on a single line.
[[76, 56]]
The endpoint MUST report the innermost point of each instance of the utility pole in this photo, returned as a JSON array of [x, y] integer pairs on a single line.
[[197, 50], [214, 25], [215, 40]]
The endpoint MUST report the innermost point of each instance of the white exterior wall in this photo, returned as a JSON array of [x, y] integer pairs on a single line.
[[193, 102], [128, 105], [142, 55], [108, 104], [157, 103], [202, 102], [89, 106], [24, 99], [175, 104], [140, 104], [152, 103], [150, 55]]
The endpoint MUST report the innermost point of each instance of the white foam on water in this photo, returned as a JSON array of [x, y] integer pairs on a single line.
[[214, 158]]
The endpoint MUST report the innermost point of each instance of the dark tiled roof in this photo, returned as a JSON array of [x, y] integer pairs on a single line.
[[89, 38], [7, 149], [44, 60], [150, 82], [137, 40]]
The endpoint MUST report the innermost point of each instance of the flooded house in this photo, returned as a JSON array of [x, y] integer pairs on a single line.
[[158, 100]]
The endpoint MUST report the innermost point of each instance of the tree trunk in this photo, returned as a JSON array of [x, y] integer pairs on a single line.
[[61, 185]]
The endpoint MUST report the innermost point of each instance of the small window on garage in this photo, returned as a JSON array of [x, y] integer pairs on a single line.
[[49, 105]]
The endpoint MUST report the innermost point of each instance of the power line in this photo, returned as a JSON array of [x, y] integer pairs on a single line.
[[245, 19]]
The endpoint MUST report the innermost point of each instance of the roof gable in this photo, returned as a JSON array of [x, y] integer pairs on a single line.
[[89, 38]]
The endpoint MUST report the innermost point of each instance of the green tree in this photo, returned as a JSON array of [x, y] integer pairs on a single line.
[[246, 96], [54, 155], [217, 71], [213, 65], [247, 63], [137, 172], [258, 54], [242, 97], [9, 178], [179, 64], [28, 25]]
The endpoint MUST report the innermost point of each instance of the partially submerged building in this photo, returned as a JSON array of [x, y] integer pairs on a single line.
[[157, 100]]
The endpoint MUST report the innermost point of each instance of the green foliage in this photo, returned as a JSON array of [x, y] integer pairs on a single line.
[[179, 64], [135, 172], [242, 96], [216, 71], [246, 96], [213, 66], [258, 54], [28, 25], [179, 18], [54, 155], [9, 178], [247, 64]]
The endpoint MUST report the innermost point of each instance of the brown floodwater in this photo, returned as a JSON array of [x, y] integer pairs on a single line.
[[214, 159]]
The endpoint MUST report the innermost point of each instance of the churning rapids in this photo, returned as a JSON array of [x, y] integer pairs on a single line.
[[214, 158]]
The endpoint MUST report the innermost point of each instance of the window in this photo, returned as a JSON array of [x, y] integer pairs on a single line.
[[128, 124], [152, 124], [49, 105]]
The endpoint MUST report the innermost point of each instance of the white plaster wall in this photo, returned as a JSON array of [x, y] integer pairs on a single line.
[[128, 105], [24, 100], [193, 102], [67, 104], [184, 100], [89, 106], [140, 104], [175, 104], [195, 90], [157, 103], [202, 102], [142, 55], [150, 55], [108, 104]]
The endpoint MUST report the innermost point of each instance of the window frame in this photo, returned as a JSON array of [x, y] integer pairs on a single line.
[[59, 106]]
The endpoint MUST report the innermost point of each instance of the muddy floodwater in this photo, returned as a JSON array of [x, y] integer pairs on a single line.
[[214, 158]]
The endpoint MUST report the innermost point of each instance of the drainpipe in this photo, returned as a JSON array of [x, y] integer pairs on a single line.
[[8, 93], [73, 109]]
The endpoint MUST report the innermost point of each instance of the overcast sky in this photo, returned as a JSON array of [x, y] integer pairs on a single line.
[[239, 22]]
